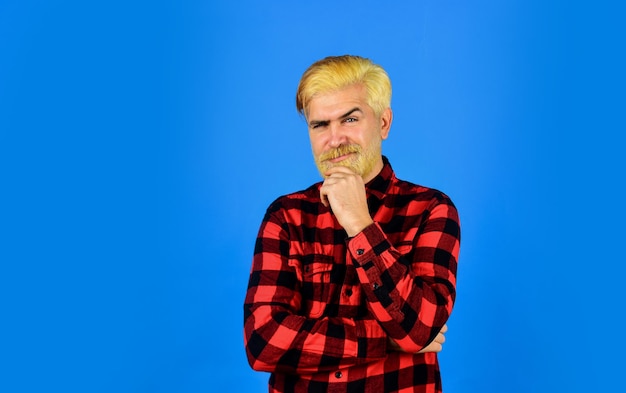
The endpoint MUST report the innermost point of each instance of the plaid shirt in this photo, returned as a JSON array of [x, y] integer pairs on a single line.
[[320, 306]]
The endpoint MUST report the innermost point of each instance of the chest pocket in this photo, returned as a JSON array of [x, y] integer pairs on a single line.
[[317, 284]]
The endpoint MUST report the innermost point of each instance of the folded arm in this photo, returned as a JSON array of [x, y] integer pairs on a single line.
[[412, 299]]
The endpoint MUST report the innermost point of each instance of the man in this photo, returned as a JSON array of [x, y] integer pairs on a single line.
[[353, 279]]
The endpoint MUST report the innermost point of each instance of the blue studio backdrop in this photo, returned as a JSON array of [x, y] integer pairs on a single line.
[[141, 142]]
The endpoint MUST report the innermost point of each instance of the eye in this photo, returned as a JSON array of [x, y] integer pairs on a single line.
[[318, 124], [350, 120]]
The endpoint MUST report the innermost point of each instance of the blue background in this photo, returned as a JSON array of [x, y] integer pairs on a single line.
[[140, 143]]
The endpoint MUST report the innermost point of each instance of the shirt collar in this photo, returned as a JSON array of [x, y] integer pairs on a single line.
[[378, 186]]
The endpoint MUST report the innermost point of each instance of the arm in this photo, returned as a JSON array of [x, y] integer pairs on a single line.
[[412, 299], [276, 337], [435, 346]]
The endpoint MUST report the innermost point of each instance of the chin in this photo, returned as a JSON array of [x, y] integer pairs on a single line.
[[345, 163]]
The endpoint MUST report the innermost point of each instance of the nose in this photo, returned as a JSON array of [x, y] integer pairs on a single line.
[[337, 135]]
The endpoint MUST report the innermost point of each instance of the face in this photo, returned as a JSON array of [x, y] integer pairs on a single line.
[[344, 130]]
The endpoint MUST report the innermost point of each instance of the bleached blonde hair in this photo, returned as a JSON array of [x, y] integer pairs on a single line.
[[337, 72]]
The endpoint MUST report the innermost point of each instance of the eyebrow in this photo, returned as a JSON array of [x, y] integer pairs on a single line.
[[325, 122]]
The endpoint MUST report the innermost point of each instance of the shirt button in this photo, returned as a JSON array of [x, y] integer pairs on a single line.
[[376, 286], [360, 251], [338, 374], [348, 292]]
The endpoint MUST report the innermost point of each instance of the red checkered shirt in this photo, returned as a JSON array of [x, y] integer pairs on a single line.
[[320, 306]]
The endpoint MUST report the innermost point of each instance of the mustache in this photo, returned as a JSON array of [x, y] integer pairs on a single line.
[[340, 151]]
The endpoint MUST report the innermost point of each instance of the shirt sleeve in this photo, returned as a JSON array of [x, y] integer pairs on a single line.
[[276, 337], [411, 298]]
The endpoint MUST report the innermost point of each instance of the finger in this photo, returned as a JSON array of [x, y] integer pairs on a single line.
[[432, 347], [440, 338], [339, 170], [333, 179], [435, 347], [444, 328], [324, 196]]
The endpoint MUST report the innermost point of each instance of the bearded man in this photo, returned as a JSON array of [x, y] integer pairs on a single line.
[[353, 279]]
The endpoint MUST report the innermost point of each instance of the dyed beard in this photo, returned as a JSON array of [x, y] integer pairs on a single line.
[[362, 163]]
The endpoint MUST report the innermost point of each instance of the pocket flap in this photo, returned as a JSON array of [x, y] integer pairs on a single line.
[[318, 264]]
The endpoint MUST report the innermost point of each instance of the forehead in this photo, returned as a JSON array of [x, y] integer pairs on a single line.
[[333, 104]]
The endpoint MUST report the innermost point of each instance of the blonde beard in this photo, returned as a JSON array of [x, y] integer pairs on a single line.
[[362, 163]]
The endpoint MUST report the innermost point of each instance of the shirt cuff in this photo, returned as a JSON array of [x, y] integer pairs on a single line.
[[368, 243]]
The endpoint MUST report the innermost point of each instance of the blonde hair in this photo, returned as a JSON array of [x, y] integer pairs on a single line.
[[337, 72]]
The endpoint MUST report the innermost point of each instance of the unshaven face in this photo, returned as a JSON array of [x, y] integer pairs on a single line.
[[344, 130]]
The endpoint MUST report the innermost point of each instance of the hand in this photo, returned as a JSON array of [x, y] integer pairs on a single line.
[[435, 346], [344, 191]]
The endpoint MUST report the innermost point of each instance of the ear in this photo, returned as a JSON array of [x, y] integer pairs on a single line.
[[385, 123]]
